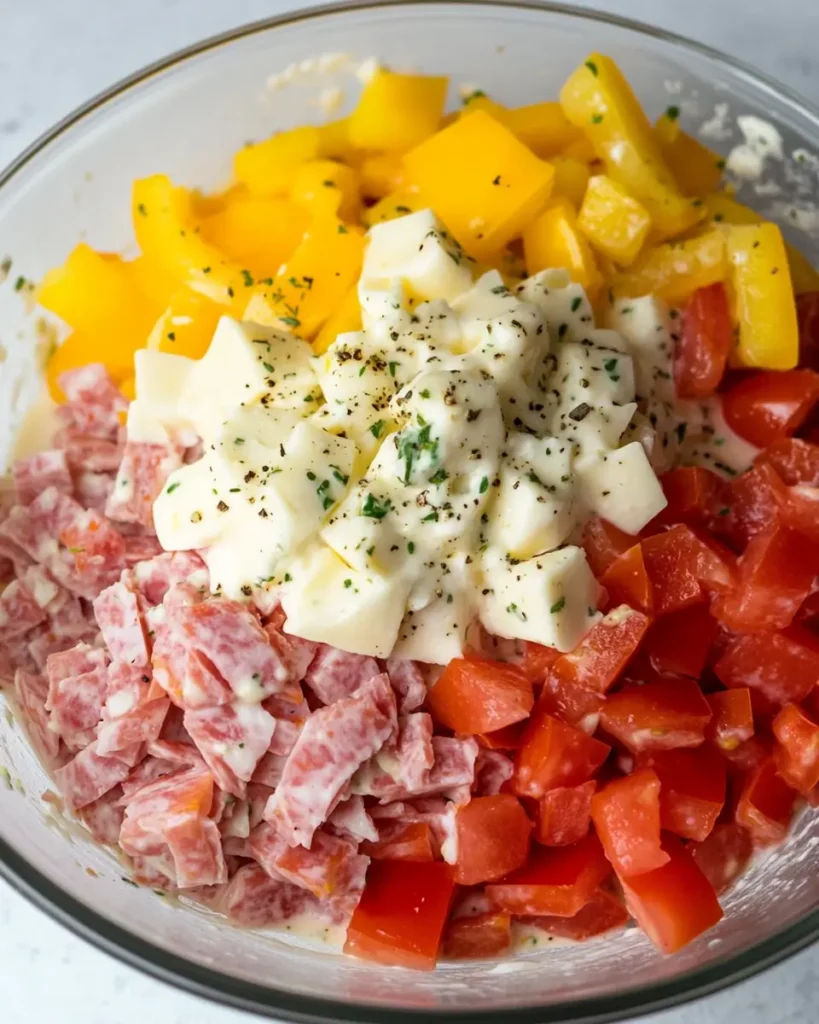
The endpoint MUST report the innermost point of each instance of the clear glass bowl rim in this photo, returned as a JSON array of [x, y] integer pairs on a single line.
[[268, 1001]]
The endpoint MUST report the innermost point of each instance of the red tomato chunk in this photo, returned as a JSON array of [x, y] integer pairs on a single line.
[[627, 583], [678, 644], [564, 814], [797, 751], [765, 804], [475, 695], [692, 790], [769, 405], [479, 937], [553, 754], [604, 652], [733, 720], [493, 838], [796, 461], [400, 840], [603, 542], [626, 814], [695, 496], [603, 913], [657, 716], [704, 343], [783, 667], [723, 856]]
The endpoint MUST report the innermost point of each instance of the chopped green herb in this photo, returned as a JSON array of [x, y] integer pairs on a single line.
[[376, 428], [348, 584], [142, 209], [411, 548], [610, 366], [672, 113], [392, 368], [558, 606], [431, 518], [247, 277], [172, 487], [290, 321], [596, 118], [592, 67], [576, 301], [311, 475], [484, 487], [374, 508]]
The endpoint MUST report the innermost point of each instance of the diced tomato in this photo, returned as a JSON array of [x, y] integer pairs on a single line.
[[675, 903], [695, 496], [553, 754], [626, 814], [771, 404], [807, 313], [402, 841], [783, 667], [795, 461], [605, 650], [570, 703], [704, 343], [752, 505], [692, 790], [603, 913], [799, 509], [602, 543], [508, 738], [626, 581], [564, 814], [797, 751], [722, 857], [475, 695], [775, 575], [733, 720], [657, 716], [493, 838], [749, 755], [765, 804], [477, 938], [678, 644], [401, 914], [537, 660], [557, 880], [671, 567]]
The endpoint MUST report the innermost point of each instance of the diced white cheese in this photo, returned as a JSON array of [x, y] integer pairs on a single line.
[[621, 487], [564, 305]]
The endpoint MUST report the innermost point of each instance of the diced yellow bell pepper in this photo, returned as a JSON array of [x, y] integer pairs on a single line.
[[543, 127], [257, 234], [396, 112], [598, 99], [696, 168], [571, 179], [78, 350], [613, 221], [314, 281], [326, 187], [168, 237], [154, 285], [207, 204], [346, 318], [397, 204], [267, 168], [186, 326], [509, 263], [763, 299], [553, 240], [382, 175], [335, 142], [582, 149], [483, 183], [676, 269], [128, 388]]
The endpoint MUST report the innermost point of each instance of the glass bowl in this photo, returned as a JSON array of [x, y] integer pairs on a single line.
[[185, 116]]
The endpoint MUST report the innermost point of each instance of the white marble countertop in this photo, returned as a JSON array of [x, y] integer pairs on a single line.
[[53, 56]]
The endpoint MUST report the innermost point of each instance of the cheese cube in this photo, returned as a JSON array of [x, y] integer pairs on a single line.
[[621, 487]]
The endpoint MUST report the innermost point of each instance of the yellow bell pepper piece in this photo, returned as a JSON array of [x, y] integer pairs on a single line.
[[571, 179], [345, 319], [77, 350], [397, 204], [396, 112], [152, 283], [676, 269], [334, 142], [543, 127], [553, 240], [128, 388], [326, 187], [207, 204], [598, 99], [582, 150], [257, 234], [696, 168], [613, 221], [186, 326], [381, 175], [313, 282], [267, 168], [481, 180], [167, 236], [763, 299]]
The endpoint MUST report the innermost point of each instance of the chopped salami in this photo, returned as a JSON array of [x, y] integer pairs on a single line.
[[196, 848], [140, 725], [103, 818], [290, 717], [156, 573], [409, 683], [452, 774], [97, 547], [89, 776], [94, 404], [139, 549], [492, 769], [141, 476], [294, 652], [94, 489], [334, 742], [38, 472], [118, 615], [185, 675], [232, 739], [334, 674], [88, 454], [31, 692], [270, 768], [75, 700], [256, 900], [19, 612], [351, 819], [14, 559], [234, 821], [414, 752]]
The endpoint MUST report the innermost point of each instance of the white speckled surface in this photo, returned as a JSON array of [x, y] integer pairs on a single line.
[[55, 54]]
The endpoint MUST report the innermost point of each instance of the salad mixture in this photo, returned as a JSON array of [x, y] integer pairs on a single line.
[[429, 543]]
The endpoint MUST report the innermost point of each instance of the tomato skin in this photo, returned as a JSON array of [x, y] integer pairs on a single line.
[[704, 343], [537, 660], [410, 841], [476, 695], [626, 582], [675, 903], [570, 703], [765, 804], [493, 838], [553, 754], [794, 460], [775, 575], [626, 814], [752, 506], [782, 667], [557, 880], [477, 938], [749, 755], [672, 570], [603, 913], [508, 738], [564, 814], [605, 650], [733, 721], [770, 404], [660, 715], [807, 315], [695, 496], [678, 644], [796, 753], [723, 856], [692, 790], [602, 543], [401, 915]]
